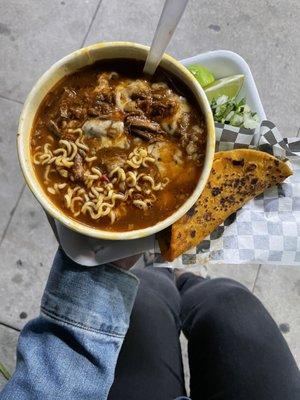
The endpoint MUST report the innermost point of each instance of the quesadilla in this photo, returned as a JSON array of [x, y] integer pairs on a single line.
[[236, 177]]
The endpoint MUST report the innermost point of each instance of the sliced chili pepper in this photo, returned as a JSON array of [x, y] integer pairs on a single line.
[[104, 178]]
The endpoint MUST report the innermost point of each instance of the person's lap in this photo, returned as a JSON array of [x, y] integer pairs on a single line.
[[235, 349]]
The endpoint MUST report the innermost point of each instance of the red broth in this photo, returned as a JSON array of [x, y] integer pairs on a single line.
[[117, 150]]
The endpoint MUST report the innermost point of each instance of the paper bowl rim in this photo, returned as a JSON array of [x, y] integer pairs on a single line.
[[31, 105]]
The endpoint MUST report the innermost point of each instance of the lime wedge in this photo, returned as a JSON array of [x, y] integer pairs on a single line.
[[202, 74], [229, 86]]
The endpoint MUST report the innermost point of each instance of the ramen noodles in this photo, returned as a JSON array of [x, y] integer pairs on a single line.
[[117, 150]]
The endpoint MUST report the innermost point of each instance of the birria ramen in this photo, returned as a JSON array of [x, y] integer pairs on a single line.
[[115, 149]]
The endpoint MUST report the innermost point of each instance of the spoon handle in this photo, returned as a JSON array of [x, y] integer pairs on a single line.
[[170, 16]]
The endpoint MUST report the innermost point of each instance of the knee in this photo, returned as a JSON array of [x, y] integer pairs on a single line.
[[157, 290], [220, 301], [225, 289], [158, 279], [228, 296]]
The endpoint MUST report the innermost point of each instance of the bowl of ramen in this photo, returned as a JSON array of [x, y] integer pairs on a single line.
[[112, 153]]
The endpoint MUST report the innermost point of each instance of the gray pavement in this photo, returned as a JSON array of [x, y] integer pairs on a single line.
[[33, 35]]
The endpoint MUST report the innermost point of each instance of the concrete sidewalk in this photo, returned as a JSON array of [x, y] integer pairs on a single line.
[[33, 35]]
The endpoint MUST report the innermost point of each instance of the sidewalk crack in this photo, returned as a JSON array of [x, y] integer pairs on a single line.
[[11, 215], [10, 327], [91, 23], [256, 277], [12, 100]]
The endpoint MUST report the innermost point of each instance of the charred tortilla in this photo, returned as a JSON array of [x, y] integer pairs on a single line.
[[236, 177]]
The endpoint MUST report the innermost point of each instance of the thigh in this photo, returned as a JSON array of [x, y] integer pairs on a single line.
[[150, 363], [236, 350]]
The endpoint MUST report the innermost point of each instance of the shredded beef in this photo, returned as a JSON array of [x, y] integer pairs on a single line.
[[77, 169], [144, 128], [53, 127]]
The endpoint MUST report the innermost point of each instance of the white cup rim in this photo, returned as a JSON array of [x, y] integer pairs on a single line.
[[69, 64]]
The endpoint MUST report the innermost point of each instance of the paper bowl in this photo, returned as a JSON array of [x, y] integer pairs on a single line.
[[72, 63]]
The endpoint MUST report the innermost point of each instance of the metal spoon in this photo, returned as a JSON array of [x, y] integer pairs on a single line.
[[170, 16]]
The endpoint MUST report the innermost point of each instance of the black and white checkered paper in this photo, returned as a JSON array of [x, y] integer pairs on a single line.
[[267, 229]]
